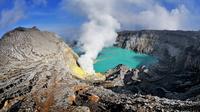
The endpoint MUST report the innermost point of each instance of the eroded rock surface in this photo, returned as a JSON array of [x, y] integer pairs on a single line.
[[35, 64], [36, 75]]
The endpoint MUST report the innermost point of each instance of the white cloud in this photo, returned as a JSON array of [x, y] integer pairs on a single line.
[[149, 14], [11, 16], [157, 17], [139, 2], [18, 12], [143, 14]]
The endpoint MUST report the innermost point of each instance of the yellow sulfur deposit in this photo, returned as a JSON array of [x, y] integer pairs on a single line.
[[77, 71]]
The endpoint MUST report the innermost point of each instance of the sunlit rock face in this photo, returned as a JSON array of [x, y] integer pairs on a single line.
[[33, 64]]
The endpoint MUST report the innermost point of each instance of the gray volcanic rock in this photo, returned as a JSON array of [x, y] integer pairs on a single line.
[[34, 64], [36, 75], [176, 75]]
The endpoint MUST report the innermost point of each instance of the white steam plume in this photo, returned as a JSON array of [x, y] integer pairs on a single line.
[[98, 32]]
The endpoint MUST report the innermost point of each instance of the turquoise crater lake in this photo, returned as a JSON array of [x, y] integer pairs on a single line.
[[110, 57]]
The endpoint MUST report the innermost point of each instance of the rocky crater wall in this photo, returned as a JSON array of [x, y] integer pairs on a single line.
[[182, 48], [178, 52]]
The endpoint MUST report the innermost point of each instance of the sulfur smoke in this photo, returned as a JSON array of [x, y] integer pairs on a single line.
[[98, 32]]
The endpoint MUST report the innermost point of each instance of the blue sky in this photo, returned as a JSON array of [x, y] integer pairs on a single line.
[[65, 18], [47, 16]]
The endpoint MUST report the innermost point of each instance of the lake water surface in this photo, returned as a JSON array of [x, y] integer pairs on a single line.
[[110, 57]]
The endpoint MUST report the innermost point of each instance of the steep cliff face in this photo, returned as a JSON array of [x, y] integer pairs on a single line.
[[38, 72], [176, 75]]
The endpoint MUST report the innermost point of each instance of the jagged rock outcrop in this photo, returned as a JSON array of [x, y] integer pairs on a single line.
[[37, 74]]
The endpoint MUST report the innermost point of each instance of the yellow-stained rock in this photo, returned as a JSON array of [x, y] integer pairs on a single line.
[[71, 59], [96, 77]]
